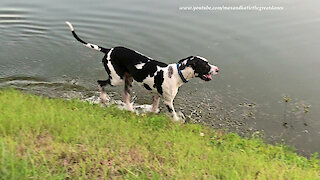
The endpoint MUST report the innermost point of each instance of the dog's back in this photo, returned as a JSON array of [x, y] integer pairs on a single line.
[[137, 65]]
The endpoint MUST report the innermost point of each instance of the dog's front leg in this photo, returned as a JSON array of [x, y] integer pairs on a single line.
[[169, 105]]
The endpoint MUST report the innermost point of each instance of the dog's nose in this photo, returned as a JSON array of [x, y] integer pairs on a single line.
[[217, 69]]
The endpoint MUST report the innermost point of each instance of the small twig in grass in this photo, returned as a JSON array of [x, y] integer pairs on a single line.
[[131, 172]]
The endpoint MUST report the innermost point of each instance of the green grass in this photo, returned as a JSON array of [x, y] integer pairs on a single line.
[[43, 138]]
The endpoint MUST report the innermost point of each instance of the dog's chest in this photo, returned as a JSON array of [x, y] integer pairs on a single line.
[[162, 82]]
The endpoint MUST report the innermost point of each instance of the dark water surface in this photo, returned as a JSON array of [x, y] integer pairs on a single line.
[[263, 56]]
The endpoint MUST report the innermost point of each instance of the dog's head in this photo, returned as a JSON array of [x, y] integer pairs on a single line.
[[200, 66]]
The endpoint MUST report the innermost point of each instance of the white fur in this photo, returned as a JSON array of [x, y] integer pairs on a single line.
[[140, 66], [150, 82], [204, 59], [214, 70], [115, 80], [70, 25]]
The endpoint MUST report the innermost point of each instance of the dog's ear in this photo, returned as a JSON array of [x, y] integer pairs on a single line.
[[191, 63], [185, 59]]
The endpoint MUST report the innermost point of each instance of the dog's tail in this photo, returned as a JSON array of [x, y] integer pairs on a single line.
[[89, 45]]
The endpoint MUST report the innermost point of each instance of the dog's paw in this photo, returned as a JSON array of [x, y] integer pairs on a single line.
[[180, 115], [104, 98], [129, 107], [153, 110], [179, 118]]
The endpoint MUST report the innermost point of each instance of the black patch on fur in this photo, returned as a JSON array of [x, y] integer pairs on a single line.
[[170, 71], [118, 65], [103, 83], [147, 86], [92, 46], [76, 36], [158, 80], [124, 61], [169, 109]]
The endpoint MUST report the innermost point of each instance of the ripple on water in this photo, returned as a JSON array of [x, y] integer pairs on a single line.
[[19, 24]]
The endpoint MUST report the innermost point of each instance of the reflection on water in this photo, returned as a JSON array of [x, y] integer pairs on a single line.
[[264, 56]]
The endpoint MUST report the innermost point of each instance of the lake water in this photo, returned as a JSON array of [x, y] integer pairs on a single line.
[[264, 57]]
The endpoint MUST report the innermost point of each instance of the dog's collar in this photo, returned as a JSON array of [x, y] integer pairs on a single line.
[[181, 75]]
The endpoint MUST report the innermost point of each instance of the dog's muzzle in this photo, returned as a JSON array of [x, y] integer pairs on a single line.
[[208, 77]]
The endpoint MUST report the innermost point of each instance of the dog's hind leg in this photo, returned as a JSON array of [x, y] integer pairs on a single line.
[[103, 94], [103, 83], [127, 91], [155, 104]]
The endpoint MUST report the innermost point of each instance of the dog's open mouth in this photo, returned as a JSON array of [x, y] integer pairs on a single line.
[[206, 77]]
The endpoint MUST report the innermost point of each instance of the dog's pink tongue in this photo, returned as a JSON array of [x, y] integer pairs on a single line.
[[208, 76]]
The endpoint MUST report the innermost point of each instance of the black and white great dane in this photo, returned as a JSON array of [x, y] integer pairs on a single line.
[[163, 80]]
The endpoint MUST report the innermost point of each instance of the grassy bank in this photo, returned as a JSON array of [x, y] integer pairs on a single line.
[[44, 138]]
